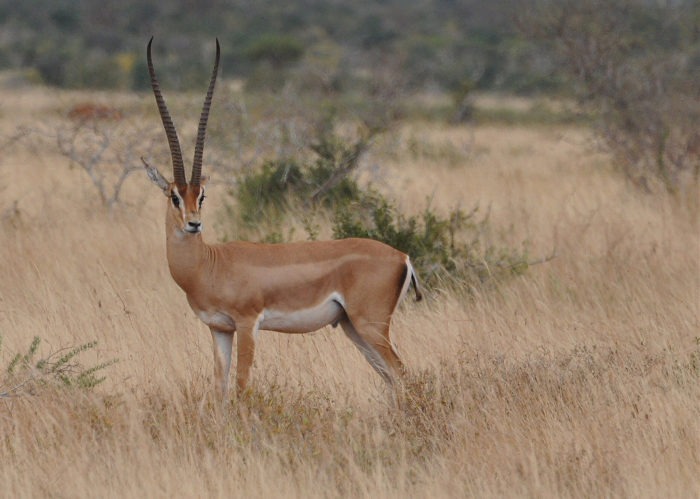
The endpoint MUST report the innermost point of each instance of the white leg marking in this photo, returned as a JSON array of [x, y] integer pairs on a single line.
[[256, 327], [224, 346]]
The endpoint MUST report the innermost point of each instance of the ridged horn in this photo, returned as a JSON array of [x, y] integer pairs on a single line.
[[202, 130], [175, 152]]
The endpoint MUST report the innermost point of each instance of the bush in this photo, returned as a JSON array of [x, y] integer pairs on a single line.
[[278, 50], [634, 66], [24, 375], [265, 194], [452, 249], [285, 183]]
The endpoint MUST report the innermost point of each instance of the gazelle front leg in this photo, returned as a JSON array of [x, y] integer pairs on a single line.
[[245, 333], [223, 344]]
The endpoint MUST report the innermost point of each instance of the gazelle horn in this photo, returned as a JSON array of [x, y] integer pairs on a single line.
[[175, 153], [202, 130]]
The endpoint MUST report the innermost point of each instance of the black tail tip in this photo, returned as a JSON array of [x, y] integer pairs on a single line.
[[416, 287]]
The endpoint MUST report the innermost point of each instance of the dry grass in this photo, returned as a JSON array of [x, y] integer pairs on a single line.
[[581, 378]]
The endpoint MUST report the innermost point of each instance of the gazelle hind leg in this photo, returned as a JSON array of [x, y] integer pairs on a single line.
[[377, 336], [380, 354]]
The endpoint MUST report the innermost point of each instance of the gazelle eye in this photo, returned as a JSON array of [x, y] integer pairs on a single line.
[[176, 200], [201, 200]]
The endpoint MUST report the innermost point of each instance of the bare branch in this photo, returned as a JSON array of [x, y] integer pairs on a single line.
[[348, 162], [107, 150]]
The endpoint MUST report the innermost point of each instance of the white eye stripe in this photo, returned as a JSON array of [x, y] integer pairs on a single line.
[[177, 199]]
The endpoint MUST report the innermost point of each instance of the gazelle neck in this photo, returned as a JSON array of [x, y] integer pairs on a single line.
[[187, 254]]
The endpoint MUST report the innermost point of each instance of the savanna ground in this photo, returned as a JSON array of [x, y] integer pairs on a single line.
[[579, 378]]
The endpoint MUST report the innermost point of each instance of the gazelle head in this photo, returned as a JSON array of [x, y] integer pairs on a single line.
[[184, 198]]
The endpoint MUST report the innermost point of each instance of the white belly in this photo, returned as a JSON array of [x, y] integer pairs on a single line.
[[304, 320]]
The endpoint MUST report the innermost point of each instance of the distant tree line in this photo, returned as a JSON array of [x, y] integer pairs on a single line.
[[443, 44], [453, 45]]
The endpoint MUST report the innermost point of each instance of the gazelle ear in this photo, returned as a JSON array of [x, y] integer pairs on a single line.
[[157, 178]]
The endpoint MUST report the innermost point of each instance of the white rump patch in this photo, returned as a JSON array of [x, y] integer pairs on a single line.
[[305, 320]]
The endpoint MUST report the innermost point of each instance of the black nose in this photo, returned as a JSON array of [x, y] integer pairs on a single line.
[[194, 225]]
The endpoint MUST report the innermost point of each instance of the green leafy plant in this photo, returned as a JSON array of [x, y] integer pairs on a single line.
[[281, 184], [265, 194], [24, 373], [452, 248]]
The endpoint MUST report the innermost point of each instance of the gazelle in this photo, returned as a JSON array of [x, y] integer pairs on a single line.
[[241, 287]]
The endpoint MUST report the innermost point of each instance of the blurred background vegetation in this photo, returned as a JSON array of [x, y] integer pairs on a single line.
[[631, 66], [446, 44], [83, 43], [310, 85]]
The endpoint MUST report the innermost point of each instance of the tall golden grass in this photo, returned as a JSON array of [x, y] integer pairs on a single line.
[[580, 378]]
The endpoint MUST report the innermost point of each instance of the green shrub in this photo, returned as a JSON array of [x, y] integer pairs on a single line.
[[24, 374], [451, 249], [278, 50], [267, 194]]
